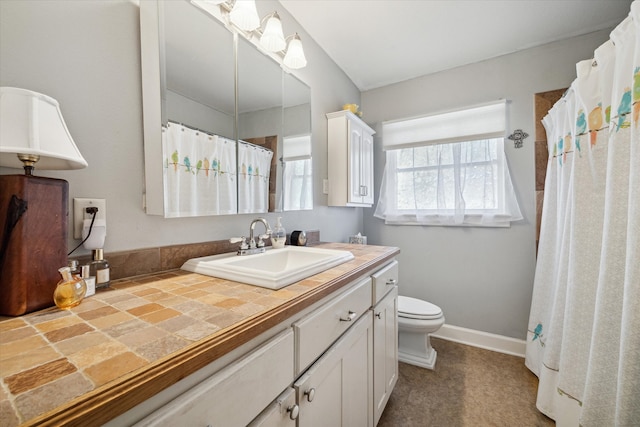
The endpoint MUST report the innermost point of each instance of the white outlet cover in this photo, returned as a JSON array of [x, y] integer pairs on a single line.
[[79, 213]]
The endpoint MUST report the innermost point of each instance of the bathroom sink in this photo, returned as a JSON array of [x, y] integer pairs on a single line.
[[273, 269]]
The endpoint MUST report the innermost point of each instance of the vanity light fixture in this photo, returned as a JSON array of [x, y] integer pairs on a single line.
[[294, 58], [244, 15], [272, 38]]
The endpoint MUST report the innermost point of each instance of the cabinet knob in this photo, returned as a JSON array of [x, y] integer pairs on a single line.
[[391, 282], [352, 315], [379, 315], [310, 394], [293, 411]]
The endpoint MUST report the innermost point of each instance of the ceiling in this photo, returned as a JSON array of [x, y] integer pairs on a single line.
[[380, 42]]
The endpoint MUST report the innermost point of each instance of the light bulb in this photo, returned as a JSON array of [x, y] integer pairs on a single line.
[[273, 38], [244, 15], [294, 57]]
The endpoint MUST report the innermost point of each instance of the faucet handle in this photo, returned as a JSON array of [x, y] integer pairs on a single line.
[[260, 243], [242, 240]]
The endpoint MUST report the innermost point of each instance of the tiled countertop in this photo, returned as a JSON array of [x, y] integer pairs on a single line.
[[124, 344]]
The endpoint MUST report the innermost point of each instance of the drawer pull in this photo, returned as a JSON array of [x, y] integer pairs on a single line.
[[352, 315], [293, 411], [310, 394], [391, 282], [379, 315]]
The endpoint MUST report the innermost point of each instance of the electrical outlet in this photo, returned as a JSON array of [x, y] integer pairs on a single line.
[[80, 214], [325, 186]]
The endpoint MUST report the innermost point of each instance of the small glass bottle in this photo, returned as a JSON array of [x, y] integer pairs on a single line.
[[70, 290], [99, 268], [278, 235]]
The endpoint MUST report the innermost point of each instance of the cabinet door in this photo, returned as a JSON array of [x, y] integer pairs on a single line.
[[385, 350], [366, 168], [337, 390], [356, 140]]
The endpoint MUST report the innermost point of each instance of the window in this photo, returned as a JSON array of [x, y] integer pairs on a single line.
[[297, 173], [456, 182]]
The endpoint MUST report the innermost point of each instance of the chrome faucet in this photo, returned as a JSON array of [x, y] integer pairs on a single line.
[[253, 247], [260, 243]]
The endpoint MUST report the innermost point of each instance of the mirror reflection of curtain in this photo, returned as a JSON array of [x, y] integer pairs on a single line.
[[297, 173], [199, 172], [254, 164]]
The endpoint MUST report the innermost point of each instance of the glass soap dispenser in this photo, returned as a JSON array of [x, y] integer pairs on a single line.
[[278, 235], [70, 290]]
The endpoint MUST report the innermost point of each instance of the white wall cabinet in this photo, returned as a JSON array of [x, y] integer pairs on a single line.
[[350, 160]]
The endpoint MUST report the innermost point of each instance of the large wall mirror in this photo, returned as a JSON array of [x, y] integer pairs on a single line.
[[216, 144]]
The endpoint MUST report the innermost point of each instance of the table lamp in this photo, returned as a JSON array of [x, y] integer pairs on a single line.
[[33, 210]]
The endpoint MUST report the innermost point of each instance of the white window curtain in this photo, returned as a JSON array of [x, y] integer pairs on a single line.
[[448, 169], [199, 172], [297, 173], [583, 339], [253, 178]]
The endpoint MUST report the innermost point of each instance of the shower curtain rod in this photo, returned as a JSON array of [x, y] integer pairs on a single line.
[[169, 122]]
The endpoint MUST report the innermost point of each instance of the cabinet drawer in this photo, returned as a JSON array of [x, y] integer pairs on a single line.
[[316, 332], [236, 394], [383, 281]]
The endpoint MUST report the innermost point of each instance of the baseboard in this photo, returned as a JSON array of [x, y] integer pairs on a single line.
[[485, 340]]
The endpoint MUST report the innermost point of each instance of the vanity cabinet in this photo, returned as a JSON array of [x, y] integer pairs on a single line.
[[332, 364], [350, 160]]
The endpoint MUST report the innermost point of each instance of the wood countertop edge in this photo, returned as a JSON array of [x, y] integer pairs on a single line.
[[105, 403]]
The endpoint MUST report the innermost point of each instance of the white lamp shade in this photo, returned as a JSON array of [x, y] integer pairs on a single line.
[[244, 15], [31, 123], [294, 57], [273, 37]]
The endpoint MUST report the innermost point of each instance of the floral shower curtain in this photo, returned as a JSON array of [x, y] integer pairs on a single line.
[[199, 172], [584, 327]]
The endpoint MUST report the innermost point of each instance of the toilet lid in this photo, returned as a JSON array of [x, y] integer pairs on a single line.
[[414, 308]]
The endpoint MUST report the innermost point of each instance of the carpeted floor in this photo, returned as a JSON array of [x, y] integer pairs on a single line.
[[469, 387]]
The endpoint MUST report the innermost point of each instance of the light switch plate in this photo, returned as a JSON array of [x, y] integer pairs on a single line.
[[80, 214], [325, 186]]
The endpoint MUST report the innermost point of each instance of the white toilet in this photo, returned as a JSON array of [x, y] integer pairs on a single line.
[[416, 320]]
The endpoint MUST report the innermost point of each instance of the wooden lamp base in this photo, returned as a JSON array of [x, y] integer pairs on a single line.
[[33, 241]]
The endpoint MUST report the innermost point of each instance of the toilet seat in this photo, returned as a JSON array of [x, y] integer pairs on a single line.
[[413, 308]]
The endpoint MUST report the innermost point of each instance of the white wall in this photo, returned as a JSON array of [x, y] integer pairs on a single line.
[[86, 54], [481, 278]]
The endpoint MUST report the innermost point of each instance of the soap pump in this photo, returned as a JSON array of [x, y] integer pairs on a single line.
[[278, 235]]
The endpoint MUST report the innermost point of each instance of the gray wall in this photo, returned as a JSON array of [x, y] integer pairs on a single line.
[[86, 54], [481, 278]]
